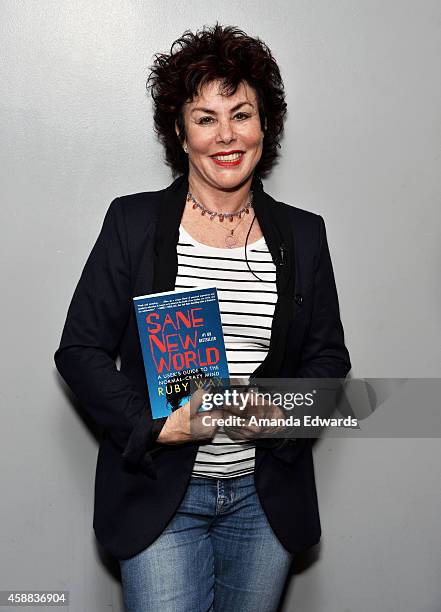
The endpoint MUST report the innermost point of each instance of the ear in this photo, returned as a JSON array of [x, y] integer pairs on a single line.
[[179, 132]]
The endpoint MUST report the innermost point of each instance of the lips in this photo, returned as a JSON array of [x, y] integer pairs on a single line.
[[223, 153], [228, 158]]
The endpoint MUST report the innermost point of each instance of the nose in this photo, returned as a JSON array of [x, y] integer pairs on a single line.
[[225, 131]]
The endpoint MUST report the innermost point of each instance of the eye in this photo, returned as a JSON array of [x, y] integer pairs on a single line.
[[242, 116], [202, 121]]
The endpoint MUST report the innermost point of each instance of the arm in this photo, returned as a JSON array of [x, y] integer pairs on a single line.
[[95, 321], [324, 354]]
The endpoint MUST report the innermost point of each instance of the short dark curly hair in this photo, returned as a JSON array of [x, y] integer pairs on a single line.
[[196, 59]]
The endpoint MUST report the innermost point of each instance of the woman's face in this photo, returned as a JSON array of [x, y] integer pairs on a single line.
[[224, 137]]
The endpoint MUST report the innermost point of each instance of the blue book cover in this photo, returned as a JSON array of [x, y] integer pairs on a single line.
[[181, 339]]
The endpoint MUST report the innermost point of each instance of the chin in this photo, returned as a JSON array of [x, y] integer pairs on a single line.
[[231, 179]]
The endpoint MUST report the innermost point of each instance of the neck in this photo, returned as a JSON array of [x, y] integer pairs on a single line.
[[220, 200]]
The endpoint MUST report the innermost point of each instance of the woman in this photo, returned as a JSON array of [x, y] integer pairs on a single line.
[[202, 521]]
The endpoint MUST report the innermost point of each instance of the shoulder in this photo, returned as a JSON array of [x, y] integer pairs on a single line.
[[134, 213], [132, 217], [139, 204], [304, 223]]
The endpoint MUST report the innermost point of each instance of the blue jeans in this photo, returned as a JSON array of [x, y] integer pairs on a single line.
[[217, 554]]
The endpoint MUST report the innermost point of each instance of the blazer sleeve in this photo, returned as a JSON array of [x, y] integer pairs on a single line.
[[96, 318], [324, 354]]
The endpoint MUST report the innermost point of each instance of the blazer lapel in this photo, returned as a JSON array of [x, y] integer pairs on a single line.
[[276, 228], [167, 235]]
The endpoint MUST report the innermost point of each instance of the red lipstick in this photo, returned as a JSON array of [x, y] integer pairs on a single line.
[[225, 163]]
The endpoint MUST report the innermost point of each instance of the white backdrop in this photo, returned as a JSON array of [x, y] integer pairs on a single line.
[[362, 148]]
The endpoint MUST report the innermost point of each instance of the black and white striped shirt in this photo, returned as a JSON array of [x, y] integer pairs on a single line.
[[246, 307]]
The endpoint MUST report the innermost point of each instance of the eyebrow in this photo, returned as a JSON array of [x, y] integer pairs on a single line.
[[212, 112]]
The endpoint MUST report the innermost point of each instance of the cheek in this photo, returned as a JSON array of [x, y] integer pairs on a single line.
[[254, 139], [256, 147], [200, 143]]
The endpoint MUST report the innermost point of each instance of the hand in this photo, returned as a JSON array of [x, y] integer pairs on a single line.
[[185, 423], [252, 428]]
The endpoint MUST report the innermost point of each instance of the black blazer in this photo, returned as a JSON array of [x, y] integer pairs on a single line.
[[140, 482]]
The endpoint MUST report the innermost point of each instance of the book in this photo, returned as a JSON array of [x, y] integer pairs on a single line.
[[182, 341]]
